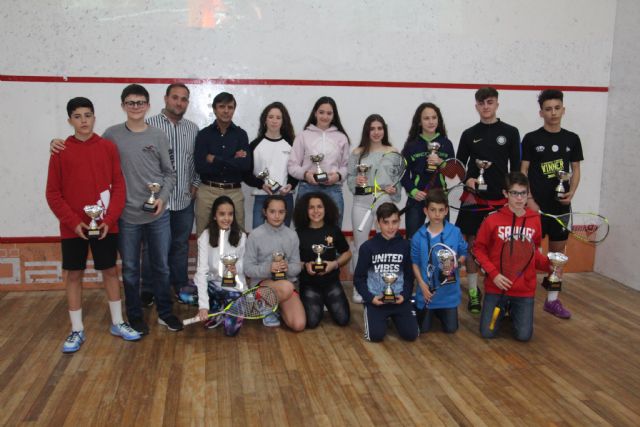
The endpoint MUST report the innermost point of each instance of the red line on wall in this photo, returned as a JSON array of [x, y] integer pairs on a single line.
[[295, 82]]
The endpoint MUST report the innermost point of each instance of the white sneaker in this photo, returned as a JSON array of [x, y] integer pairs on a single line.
[[356, 297], [271, 321]]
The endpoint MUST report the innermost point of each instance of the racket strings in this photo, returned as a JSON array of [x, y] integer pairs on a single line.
[[515, 256], [255, 304], [588, 227]]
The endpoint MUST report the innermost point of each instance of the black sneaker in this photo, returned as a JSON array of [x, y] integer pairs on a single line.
[[146, 298], [139, 325], [171, 322]]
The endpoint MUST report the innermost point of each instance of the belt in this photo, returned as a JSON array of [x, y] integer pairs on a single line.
[[223, 185]]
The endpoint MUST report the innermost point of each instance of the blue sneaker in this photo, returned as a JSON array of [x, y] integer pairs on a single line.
[[73, 342], [125, 331], [271, 321]]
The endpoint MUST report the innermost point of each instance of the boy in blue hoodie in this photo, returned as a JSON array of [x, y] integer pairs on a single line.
[[425, 244], [387, 252]]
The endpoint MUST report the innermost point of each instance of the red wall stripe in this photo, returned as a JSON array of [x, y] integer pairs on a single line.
[[294, 82]]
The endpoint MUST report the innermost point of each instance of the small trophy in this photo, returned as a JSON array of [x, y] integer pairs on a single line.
[[388, 297], [562, 178], [93, 212], [434, 147], [274, 185], [154, 188], [228, 278], [278, 275], [554, 281], [363, 189], [481, 185], [447, 265], [319, 266], [320, 175]]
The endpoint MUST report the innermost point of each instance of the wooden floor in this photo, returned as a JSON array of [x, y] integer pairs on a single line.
[[584, 371]]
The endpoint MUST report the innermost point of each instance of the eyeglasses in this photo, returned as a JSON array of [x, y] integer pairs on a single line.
[[518, 193], [132, 104]]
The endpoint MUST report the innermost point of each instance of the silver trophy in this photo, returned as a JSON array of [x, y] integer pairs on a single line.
[[228, 278], [275, 257], [388, 296], [93, 212], [557, 260], [320, 176], [274, 185], [319, 265], [560, 188], [481, 185], [149, 205], [363, 189], [447, 266], [434, 147]]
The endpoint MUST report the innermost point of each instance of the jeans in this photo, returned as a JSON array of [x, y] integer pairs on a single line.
[[258, 218], [414, 216], [181, 223], [521, 313], [158, 236], [448, 318], [333, 191]]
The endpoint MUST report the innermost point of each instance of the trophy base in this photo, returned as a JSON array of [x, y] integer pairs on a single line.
[[389, 298], [432, 168], [363, 191], [93, 234], [229, 282], [551, 286], [481, 187], [280, 275], [559, 195], [319, 268], [148, 207], [275, 188], [446, 279], [321, 177]]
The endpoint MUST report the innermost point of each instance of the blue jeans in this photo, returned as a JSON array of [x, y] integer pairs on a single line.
[[158, 236], [333, 191], [258, 218], [414, 216], [521, 313], [181, 226], [448, 318]]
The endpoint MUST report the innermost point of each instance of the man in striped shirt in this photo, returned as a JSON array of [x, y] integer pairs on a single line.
[[182, 136]]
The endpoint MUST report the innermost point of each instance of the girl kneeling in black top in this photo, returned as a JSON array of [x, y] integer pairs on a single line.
[[316, 218]]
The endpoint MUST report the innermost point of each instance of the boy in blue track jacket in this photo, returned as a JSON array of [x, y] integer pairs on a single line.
[[387, 252], [437, 295]]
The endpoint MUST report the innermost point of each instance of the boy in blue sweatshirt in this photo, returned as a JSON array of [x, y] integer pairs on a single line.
[[387, 252], [438, 294]]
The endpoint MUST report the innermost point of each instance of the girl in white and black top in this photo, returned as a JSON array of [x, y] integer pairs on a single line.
[[270, 151]]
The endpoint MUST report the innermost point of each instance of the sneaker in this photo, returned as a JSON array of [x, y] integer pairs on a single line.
[[356, 297], [146, 298], [171, 322], [139, 325], [557, 309], [271, 321], [73, 342], [214, 322], [474, 305], [125, 331]]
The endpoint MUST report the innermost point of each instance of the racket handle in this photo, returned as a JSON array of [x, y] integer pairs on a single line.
[[191, 321], [494, 317], [364, 220]]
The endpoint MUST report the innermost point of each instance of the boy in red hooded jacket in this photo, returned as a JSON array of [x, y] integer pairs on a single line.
[[514, 218]]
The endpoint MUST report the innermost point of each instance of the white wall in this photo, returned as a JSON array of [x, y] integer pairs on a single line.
[[498, 42], [620, 190]]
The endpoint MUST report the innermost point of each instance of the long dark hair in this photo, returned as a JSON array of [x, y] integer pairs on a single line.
[[416, 122], [301, 215], [336, 117], [286, 130], [365, 140], [214, 231]]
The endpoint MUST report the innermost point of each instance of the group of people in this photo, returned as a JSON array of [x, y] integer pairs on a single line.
[[197, 174]]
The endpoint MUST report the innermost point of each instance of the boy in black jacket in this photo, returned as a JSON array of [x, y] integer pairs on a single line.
[[387, 252]]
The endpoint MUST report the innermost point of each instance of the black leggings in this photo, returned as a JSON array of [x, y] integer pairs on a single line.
[[331, 294]]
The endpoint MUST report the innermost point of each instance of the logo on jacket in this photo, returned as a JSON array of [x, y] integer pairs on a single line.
[[477, 140], [555, 148], [540, 148], [501, 140]]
